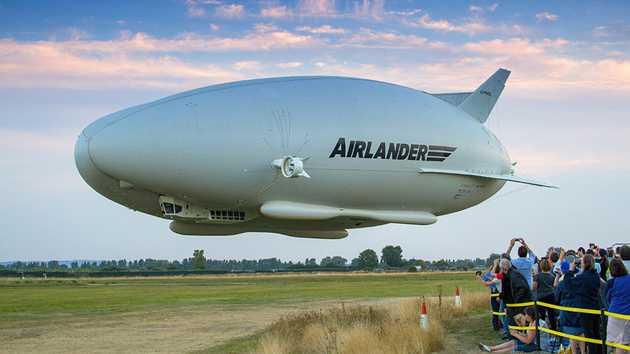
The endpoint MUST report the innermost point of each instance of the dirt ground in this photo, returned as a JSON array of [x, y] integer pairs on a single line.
[[171, 331]]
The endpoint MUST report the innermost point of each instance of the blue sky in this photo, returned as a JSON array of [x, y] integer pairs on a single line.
[[564, 115]]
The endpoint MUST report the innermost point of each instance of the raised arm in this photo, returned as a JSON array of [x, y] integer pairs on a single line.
[[509, 250], [531, 254]]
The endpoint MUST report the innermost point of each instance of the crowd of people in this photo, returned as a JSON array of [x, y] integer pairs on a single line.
[[594, 279]]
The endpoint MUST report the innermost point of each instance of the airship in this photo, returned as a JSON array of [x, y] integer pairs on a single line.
[[309, 156]]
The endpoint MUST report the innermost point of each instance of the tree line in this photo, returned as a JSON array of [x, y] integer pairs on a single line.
[[390, 258]]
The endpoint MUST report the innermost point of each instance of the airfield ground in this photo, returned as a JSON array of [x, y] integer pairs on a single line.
[[208, 314]]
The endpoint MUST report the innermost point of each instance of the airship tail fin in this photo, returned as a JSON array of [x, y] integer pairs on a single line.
[[479, 104]]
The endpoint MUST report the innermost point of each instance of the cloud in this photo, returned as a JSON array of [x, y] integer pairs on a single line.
[[276, 12], [28, 141], [76, 34], [136, 61], [290, 65], [230, 11], [617, 31], [368, 38], [197, 8], [325, 29], [194, 11], [514, 46], [475, 9], [546, 16], [404, 13], [140, 60], [369, 9], [316, 8], [42, 66], [214, 27], [264, 37], [471, 27], [247, 65], [478, 10]]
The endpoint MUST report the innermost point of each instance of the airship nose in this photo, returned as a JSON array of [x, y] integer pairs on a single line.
[[110, 186], [86, 167]]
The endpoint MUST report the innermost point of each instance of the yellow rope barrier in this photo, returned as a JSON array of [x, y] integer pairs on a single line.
[[522, 304], [617, 315], [571, 336], [569, 309]]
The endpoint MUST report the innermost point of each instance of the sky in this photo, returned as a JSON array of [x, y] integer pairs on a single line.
[[563, 116]]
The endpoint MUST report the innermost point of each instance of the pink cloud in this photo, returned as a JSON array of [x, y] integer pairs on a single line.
[[546, 16], [230, 11], [276, 12], [326, 29], [471, 27], [367, 38], [316, 8], [374, 9]]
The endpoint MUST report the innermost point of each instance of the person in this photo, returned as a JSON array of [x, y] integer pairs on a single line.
[[617, 294], [598, 268], [525, 261], [489, 280], [554, 257], [514, 289], [587, 286], [604, 264], [581, 252], [543, 285], [523, 341], [624, 253], [568, 322]]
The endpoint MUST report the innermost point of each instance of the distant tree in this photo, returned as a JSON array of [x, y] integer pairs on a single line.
[[310, 262], [368, 259], [491, 258], [199, 260], [442, 264], [335, 261], [392, 256]]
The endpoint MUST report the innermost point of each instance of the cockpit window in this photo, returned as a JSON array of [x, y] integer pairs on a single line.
[[168, 208], [178, 209]]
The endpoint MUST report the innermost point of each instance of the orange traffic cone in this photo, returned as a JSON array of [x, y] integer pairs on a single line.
[[424, 318], [458, 299]]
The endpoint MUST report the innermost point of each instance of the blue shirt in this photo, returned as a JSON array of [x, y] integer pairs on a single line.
[[586, 286], [524, 266], [565, 296], [618, 295], [488, 277]]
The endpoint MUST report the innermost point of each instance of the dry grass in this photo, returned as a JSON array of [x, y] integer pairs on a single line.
[[390, 328]]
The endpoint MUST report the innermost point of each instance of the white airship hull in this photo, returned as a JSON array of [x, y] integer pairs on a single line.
[[359, 147]]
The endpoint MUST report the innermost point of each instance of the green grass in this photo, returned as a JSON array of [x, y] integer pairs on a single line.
[[464, 334], [237, 345], [39, 298]]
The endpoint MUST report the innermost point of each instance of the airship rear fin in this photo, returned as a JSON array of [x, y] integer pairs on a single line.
[[454, 98], [479, 104]]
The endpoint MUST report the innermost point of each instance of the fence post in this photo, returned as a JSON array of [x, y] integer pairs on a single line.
[[602, 331], [536, 319], [440, 301]]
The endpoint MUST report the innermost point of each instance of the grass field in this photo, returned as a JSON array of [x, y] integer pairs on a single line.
[[184, 314]]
